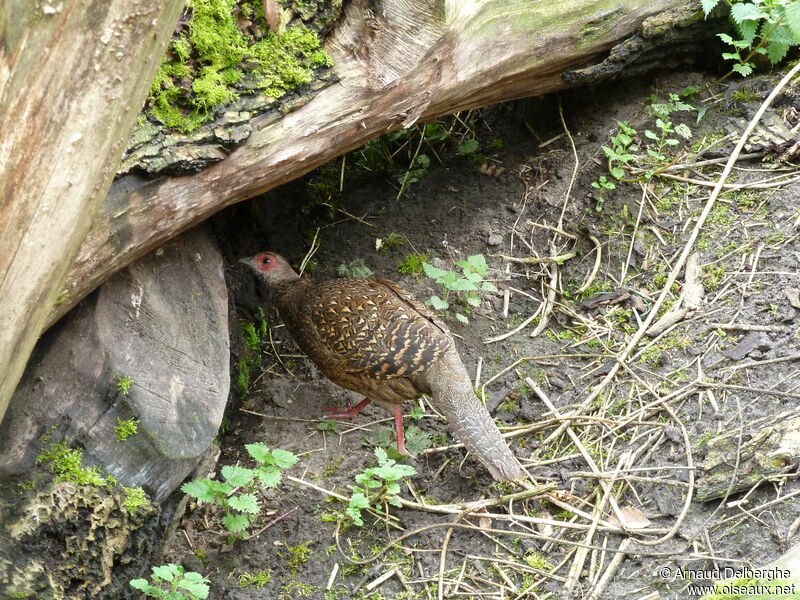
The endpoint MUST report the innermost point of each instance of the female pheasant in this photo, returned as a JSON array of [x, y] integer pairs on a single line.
[[373, 337]]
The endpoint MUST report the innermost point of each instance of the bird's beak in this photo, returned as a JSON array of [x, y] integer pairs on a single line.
[[246, 261]]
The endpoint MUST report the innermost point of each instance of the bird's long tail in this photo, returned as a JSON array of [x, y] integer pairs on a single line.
[[470, 422]]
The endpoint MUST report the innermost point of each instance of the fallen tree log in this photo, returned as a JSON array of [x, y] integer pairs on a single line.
[[73, 75], [413, 60]]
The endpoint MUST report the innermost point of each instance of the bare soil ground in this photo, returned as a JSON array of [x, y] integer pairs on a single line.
[[631, 451]]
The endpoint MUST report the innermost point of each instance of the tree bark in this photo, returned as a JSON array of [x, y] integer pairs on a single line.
[[73, 76]]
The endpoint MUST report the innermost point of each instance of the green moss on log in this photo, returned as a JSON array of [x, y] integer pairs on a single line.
[[224, 49]]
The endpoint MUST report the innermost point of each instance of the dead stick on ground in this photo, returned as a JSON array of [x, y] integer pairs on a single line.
[[611, 571], [580, 555], [443, 555], [595, 268]]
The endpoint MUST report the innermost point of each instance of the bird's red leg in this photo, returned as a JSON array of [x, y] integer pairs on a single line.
[[398, 429], [334, 412]]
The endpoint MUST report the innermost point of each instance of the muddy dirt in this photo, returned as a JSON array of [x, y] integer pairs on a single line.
[[698, 378]]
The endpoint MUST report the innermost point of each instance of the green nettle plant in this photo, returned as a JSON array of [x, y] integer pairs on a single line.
[[663, 136], [764, 27], [600, 184], [172, 582], [460, 291], [250, 357], [623, 151], [236, 495], [376, 486]]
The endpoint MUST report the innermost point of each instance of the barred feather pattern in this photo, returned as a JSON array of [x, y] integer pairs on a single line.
[[373, 337]]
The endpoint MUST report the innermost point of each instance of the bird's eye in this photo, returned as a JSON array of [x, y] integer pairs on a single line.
[[266, 260]]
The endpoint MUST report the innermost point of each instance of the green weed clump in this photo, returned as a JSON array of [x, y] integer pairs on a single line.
[[173, 582], [67, 465], [124, 385], [135, 498], [250, 357], [355, 268], [125, 429], [236, 494], [411, 265], [764, 28], [376, 486], [460, 291]]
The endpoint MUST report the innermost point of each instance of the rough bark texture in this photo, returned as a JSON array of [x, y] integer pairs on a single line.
[[398, 61], [73, 76]]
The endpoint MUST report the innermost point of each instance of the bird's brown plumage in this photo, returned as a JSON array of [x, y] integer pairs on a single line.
[[373, 337]]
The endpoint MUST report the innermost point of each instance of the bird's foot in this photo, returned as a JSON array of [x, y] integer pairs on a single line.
[[336, 412], [399, 432]]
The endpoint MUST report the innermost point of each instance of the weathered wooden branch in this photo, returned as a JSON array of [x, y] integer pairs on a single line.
[[414, 60], [769, 446], [73, 75]]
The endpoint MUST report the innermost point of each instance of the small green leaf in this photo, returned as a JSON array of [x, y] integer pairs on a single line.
[[269, 476], [437, 303], [237, 476], [462, 285], [433, 272], [392, 489], [683, 131], [776, 52], [478, 262], [472, 276], [708, 5], [792, 16], [355, 268], [195, 584], [359, 500], [416, 439], [473, 301], [245, 503], [259, 452], [462, 319], [141, 584], [167, 572], [235, 523], [742, 11], [283, 458], [744, 69], [199, 489], [468, 147], [380, 454], [488, 286]]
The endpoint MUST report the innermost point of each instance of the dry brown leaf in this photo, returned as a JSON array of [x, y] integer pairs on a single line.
[[632, 518]]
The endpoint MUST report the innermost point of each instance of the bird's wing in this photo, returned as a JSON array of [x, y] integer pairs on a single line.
[[374, 327]]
